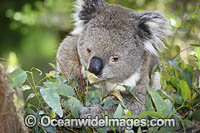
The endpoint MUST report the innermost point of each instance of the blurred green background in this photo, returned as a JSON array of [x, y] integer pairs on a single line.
[[31, 30]]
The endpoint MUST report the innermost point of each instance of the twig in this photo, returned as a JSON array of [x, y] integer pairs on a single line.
[[81, 78], [71, 130], [172, 43], [180, 52], [71, 69], [197, 77], [2, 59], [175, 35]]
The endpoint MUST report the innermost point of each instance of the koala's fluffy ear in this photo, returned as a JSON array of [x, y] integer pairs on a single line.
[[153, 30], [85, 10]]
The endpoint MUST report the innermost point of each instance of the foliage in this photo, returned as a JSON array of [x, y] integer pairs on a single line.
[[35, 30], [54, 94]]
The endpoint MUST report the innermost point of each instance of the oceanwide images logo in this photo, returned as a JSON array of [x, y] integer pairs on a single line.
[[128, 123]]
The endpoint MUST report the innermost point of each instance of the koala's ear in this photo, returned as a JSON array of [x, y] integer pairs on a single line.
[[85, 10], [153, 30]]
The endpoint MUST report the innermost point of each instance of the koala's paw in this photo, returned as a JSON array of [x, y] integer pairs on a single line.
[[92, 111]]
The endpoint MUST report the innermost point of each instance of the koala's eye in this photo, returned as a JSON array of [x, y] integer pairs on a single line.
[[88, 50], [114, 58]]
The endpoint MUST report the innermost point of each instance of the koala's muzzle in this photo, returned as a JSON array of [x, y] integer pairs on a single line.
[[96, 65]]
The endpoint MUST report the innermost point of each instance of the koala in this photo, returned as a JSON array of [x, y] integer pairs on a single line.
[[116, 44]]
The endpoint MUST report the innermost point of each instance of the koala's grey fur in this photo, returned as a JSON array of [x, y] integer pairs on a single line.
[[103, 30], [66, 56]]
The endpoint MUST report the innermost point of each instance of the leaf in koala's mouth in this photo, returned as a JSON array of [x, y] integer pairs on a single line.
[[92, 77], [117, 94]]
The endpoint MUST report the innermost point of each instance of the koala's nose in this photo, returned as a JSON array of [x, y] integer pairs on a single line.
[[96, 65]]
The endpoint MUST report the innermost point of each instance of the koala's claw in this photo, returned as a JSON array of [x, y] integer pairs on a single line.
[[92, 111]]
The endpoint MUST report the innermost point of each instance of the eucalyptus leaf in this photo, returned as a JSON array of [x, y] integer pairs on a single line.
[[17, 78], [130, 131], [61, 89], [195, 45], [52, 98], [101, 130], [118, 112], [175, 82], [50, 129], [187, 123], [196, 115], [131, 91], [151, 114], [74, 105], [110, 102], [169, 106], [139, 130], [95, 100], [158, 102], [197, 51], [148, 103], [187, 76], [179, 118], [185, 90], [178, 99]]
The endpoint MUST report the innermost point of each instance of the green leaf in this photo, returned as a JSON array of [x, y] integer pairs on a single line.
[[151, 114], [17, 78], [130, 131], [130, 90], [175, 83], [187, 123], [101, 130], [158, 101], [52, 98], [50, 129], [178, 99], [169, 106], [95, 100], [185, 90], [109, 102], [197, 51], [179, 118], [139, 130], [74, 105], [175, 50], [61, 89], [153, 130], [166, 130], [118, 112], [38, 70], [187, 76], [195, 45], [196, 115], [148, 103], [164, 95]]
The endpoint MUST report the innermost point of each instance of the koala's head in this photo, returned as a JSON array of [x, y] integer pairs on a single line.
[[113, 39]]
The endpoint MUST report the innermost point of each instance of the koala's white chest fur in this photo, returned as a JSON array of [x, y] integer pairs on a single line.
[[131, 81]]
